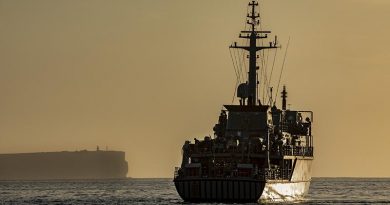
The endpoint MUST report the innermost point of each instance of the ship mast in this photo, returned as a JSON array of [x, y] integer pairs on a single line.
[[253, 35]]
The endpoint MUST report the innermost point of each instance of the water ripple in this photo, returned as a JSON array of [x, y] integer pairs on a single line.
[[162, 191]]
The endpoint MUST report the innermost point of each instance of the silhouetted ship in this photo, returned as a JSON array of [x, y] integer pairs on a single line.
[[258, 152], [63, 165]]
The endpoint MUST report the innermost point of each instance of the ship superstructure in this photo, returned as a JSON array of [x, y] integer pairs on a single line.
[[259, 151]]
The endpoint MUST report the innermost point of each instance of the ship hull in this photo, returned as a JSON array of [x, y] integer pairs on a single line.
[[237, 190], [284, 191], [240, 191], [219, 190], [290, 190]]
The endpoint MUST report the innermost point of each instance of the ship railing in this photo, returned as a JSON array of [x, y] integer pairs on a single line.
[[274, 174], [288, 150], [297, 151], [217, 151], [262, 174]]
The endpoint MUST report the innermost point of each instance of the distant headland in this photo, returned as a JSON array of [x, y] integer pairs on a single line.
[[64, 165]]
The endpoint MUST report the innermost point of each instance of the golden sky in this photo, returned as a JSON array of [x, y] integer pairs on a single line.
[[143, 76]]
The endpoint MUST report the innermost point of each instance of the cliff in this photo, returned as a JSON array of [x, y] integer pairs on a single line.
[[63, 165]]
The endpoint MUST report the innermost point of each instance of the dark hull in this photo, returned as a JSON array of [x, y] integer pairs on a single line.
[[219, 190], [244, 190]]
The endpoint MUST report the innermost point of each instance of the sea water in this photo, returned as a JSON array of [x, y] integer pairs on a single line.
[[162, 191]]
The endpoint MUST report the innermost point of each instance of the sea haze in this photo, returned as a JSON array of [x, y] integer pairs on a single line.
[[162, 191]]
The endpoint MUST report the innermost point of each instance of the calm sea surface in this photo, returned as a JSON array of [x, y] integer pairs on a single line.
[[162, 191]]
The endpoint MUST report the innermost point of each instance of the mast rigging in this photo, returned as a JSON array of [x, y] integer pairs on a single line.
[[250, 87]]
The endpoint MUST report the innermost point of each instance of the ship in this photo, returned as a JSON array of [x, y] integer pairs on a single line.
[[64, 165], [258, 152]]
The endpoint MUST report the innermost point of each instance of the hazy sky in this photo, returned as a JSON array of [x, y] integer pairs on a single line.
[[143, 76]]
